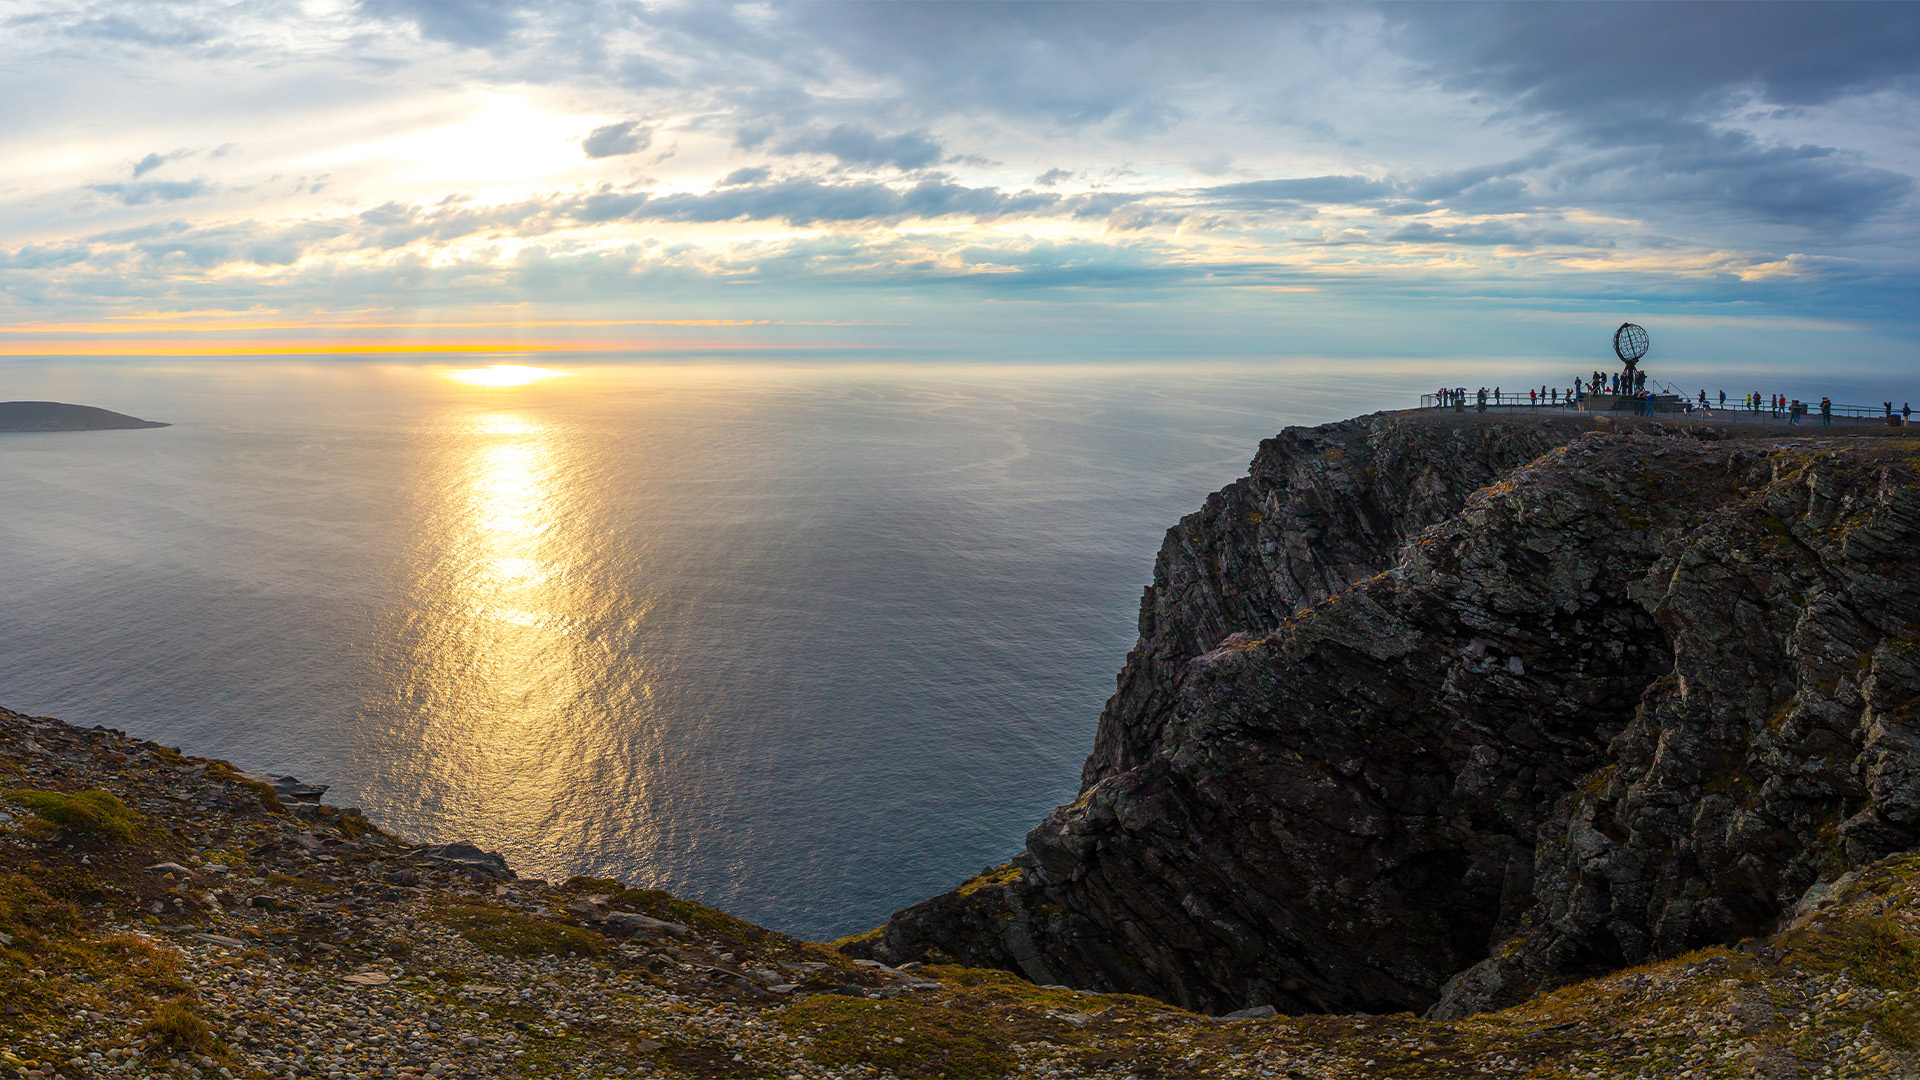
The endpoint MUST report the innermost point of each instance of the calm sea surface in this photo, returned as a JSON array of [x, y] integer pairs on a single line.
[[806, 644]]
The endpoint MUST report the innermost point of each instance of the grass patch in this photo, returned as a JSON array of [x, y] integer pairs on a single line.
[[150, 966], [900, 1037], [581, 883], [226, 774], [24, 905], [1877, 952], [353, 826], [515, 934], [90, 813], [175, 1027], [308, 886]]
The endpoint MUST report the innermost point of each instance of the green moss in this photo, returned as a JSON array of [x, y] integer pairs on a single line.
[[1004, 874], [515, 934], [1898, 1022], [664, 905], [901, 1037], [870, 937], [91, 813], [580, 883]]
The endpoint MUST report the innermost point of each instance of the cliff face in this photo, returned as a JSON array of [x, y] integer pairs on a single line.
[[1428, 713]]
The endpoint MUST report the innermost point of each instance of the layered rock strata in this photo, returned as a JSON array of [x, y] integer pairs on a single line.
[[1429, 713]]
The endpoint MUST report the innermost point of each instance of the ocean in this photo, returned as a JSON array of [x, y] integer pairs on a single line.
[[808, 643]]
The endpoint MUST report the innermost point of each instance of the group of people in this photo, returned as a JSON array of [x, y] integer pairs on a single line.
[[1779, 405], [1601, 383], [1543, 395]]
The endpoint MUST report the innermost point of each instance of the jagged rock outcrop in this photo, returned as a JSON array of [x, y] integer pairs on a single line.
[[1429, 712]]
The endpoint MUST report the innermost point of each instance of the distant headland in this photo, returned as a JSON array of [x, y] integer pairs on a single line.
[[58, 416]]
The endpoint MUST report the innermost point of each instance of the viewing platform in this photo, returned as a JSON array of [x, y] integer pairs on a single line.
[[1673, 406]]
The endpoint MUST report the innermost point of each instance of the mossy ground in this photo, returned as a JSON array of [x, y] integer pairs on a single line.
[[514, 934]]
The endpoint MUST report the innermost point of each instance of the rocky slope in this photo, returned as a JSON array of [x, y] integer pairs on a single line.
[[168, 916], [1433, 712]]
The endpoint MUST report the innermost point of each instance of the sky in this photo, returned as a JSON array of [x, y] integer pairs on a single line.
[[1029, 182]]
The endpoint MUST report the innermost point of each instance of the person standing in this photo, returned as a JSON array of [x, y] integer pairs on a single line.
[[1826, 411]]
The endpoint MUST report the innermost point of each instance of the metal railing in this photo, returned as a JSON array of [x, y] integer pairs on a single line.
[[1732, 410]]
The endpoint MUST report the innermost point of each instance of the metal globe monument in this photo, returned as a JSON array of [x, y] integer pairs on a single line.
[[1630, 344]]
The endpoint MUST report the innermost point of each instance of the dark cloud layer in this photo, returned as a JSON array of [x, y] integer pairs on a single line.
[[856, 145], [1608, 63]]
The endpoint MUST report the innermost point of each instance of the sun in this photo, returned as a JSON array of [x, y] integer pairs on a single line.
[[505, 375]]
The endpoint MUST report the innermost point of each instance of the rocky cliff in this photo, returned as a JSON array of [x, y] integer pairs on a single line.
[[1432, 712]]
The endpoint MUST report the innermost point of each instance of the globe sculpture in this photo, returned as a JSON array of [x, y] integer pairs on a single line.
[[1630, 344]]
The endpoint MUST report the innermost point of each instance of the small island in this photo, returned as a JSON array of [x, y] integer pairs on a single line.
[[59, 416]]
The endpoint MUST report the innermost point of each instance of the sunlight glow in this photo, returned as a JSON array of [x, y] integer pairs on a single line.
[[505, 375]]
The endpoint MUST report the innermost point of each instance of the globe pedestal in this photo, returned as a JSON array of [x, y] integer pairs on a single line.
[[1623, 403]]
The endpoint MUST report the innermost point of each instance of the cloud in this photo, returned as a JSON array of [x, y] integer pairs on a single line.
[[752, 174], [804, 202], [854, 144], [1653, 102], [155, 191], [156, 25], [470, 23], [153, 161], [1344, 190], [615, 140], [1603, 62]]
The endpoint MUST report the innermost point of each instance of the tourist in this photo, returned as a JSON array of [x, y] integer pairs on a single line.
[[1826, 410]]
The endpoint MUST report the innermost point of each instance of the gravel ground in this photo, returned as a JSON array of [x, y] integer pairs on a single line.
[[192, 920]]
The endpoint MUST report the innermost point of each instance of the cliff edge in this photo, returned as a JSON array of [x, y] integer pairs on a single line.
[[1434, 712]]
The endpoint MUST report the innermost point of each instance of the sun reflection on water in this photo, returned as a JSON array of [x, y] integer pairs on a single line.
[[503, 739]]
